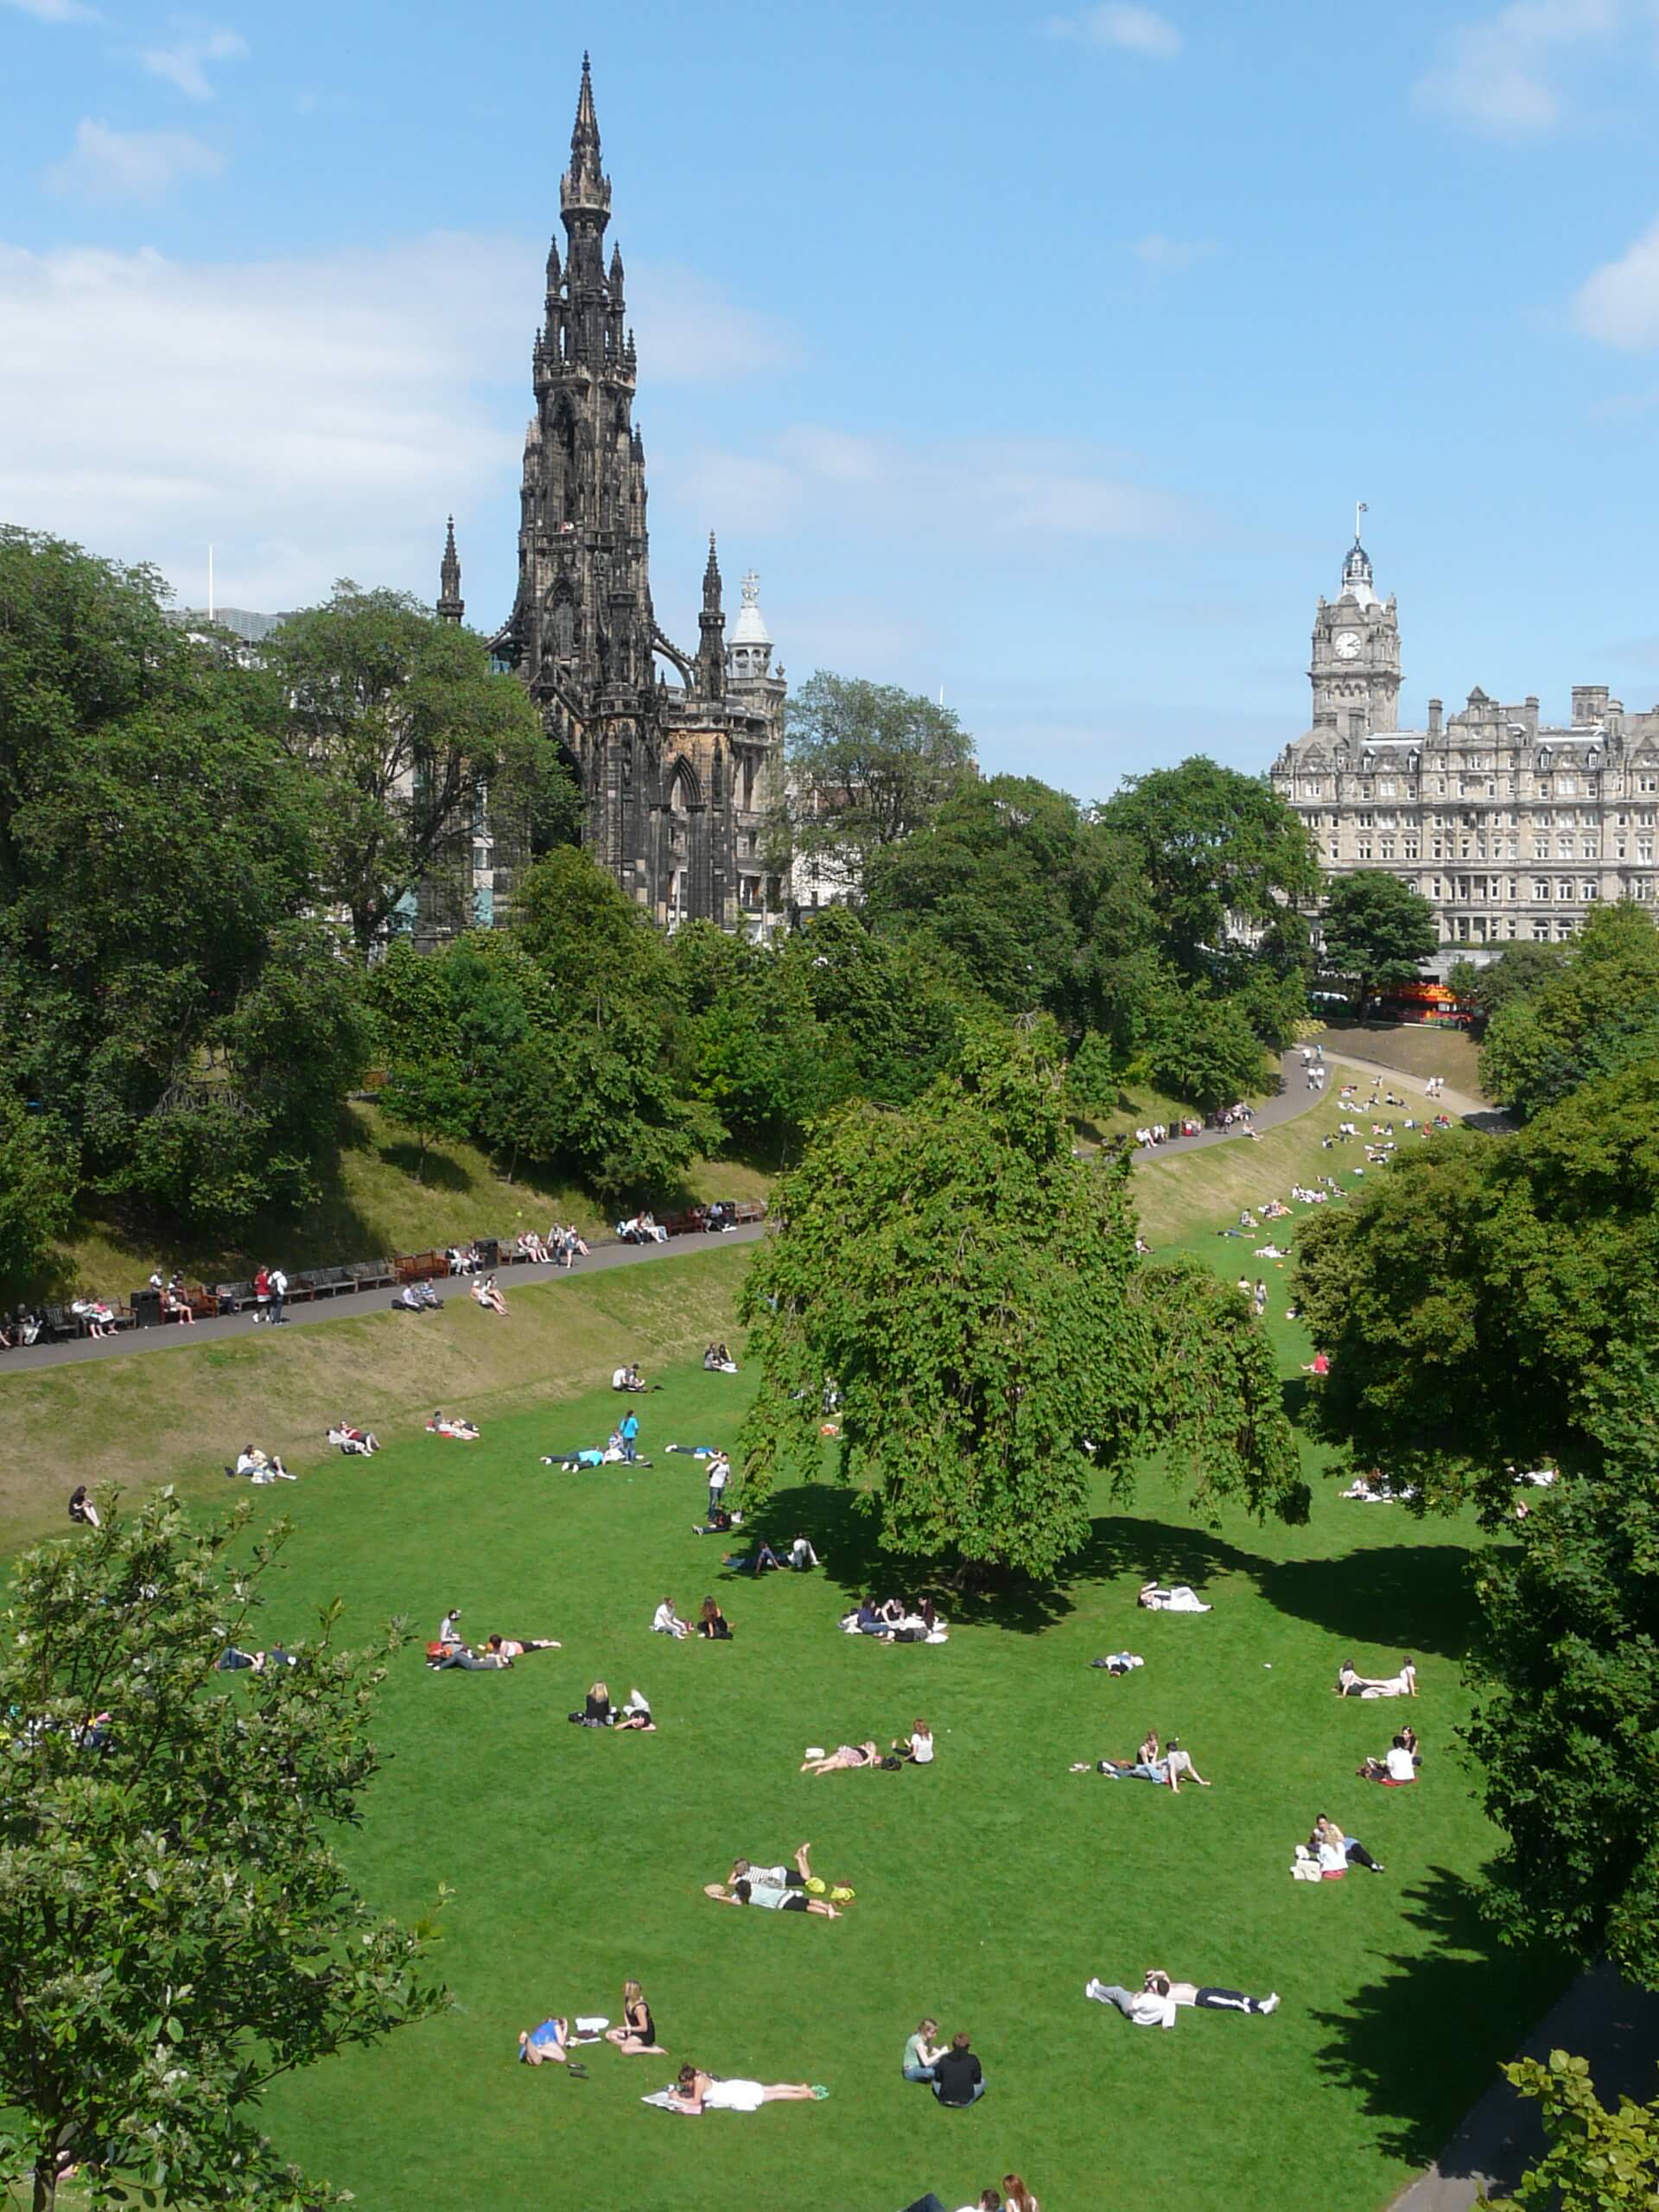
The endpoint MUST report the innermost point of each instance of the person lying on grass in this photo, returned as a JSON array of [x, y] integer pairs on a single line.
[[1154, 2004], [1145, 1766], [1174, 1598], [260, 1466], [844, 1757], [762, 1561], [798, 1877], [1119, 1662], [514, 1647], [355, 1443], [611, 1453], [456, 1425], [1395, 1767], [1350, 1684], [636, 2036], [443, 1655], [744, 1892], [1337, 1850], [696, 2093], [488, 1296], [599, 1713]]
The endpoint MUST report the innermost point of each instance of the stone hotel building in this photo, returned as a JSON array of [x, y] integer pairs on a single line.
[[1513, 829]]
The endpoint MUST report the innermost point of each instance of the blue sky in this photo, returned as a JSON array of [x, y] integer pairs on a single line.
[[1036, 353]]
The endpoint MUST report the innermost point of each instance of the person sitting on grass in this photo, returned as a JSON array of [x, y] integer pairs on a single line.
[[260, 1466], [627, 1378], [514, 1647], [959, 2077], [845, 1757], [551, 2041], [666, 1622], [1145, 1766], [1395, 1767], [596, 1710], [922, 2054], [1178, 1763], [488, 1296], [81, 1508], [1350, 1684], [713, 1624], [718, 1361], [917, 1748], [1328, 1839], [455, 1425], [696, 2093], [799, 1875], [770, 1899], [1154, 2004], [802, 1555], [637, 2036], [1174, 1598]]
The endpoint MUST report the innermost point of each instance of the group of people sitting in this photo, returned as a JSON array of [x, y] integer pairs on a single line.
[[763, 1559], [488, 1296], [1398, 1764], [794, 1888], [1328, 1853], [497, 1652], [1169, 1767], [1170, 1597], [629, 1378], [598, 1712], [620, 1449], [1351, 1684], [636, 2036], [354, 1443], [950, 2069], [464, 1259], [718, 1361], [641, 1229], [896, 1620], [455, 1425], [1157, 1133], [260, 1466], [1013, 2196], [710, 1623], [417, 1298], [914, 1750], [1374, 1489], [561, 1248], [95, 1317]]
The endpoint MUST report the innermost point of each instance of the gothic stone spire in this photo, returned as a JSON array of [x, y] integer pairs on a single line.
[[451, 605], [711, 623]]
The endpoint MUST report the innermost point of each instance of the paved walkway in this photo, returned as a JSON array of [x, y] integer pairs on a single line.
[[1601, 2019], [171, 1337], [1293, 1098]]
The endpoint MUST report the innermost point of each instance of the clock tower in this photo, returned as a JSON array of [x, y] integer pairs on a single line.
[[1356, 671]]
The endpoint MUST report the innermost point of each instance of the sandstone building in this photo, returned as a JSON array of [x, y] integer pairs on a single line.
[[1512, 828]]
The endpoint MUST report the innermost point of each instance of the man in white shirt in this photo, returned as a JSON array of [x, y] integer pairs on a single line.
[[278, 1295], [1154, 2005], [720, 1473]]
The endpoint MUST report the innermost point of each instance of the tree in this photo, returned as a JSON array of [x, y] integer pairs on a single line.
[[1471, 1298], [1204, 1049], [38, 1174], [973, 1294], [868, 764], [1596, 1011], [166, 993], [1517, 972], [1218, 848], [1376, 930], [400, 717], [177, 1929], [1566, 1676], [1597, 2159]]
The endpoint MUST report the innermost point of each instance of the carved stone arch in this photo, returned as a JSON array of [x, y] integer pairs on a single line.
[[670, 652], [684, 787]]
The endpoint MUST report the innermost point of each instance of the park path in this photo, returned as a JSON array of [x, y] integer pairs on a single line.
[[1293, 1098], [1602, 2019], [171, 1337]]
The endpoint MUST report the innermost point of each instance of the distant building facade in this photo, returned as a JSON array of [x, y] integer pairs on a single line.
[[1513, 830], [679, 778]]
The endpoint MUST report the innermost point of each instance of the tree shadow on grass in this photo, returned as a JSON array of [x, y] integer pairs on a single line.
[[1417, 1599], [438, 1171], [1423, 2041]]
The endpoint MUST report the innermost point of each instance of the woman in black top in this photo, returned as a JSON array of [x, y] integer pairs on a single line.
[[597, 1714], [712, 1623], [636, 2036]]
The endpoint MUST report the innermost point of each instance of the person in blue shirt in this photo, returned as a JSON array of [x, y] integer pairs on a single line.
[[629, 1432]]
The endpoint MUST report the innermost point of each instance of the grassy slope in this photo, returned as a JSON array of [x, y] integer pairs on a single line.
[[1413, 1048], [372, 1205], [187, 1409]]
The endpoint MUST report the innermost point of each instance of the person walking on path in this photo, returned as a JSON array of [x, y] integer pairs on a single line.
[[278, 1296]]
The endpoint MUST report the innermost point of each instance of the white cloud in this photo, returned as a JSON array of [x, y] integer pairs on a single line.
[[1502, 74], [313, 417], [185, 62], [986, 491], [1128, 30], [57, 11], [1160, 252], [106, 165], [1618, 303]]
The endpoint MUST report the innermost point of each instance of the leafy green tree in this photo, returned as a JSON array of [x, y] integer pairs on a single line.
[[177, 1929], [1597, 2160], [1471, 1298], [868, 764], [1218, 848], [892, 1011], [1566, 1676], [1517, 972], [1205, 1050], [38, 1175], [1594, 1012], [166, 993], [1376, 930], [973, 1293], [401, 719]]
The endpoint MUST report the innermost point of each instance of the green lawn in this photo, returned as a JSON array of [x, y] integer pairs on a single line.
[[989, 1887]]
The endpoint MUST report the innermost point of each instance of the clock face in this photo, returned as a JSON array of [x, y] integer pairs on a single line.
[[1347, 645]]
